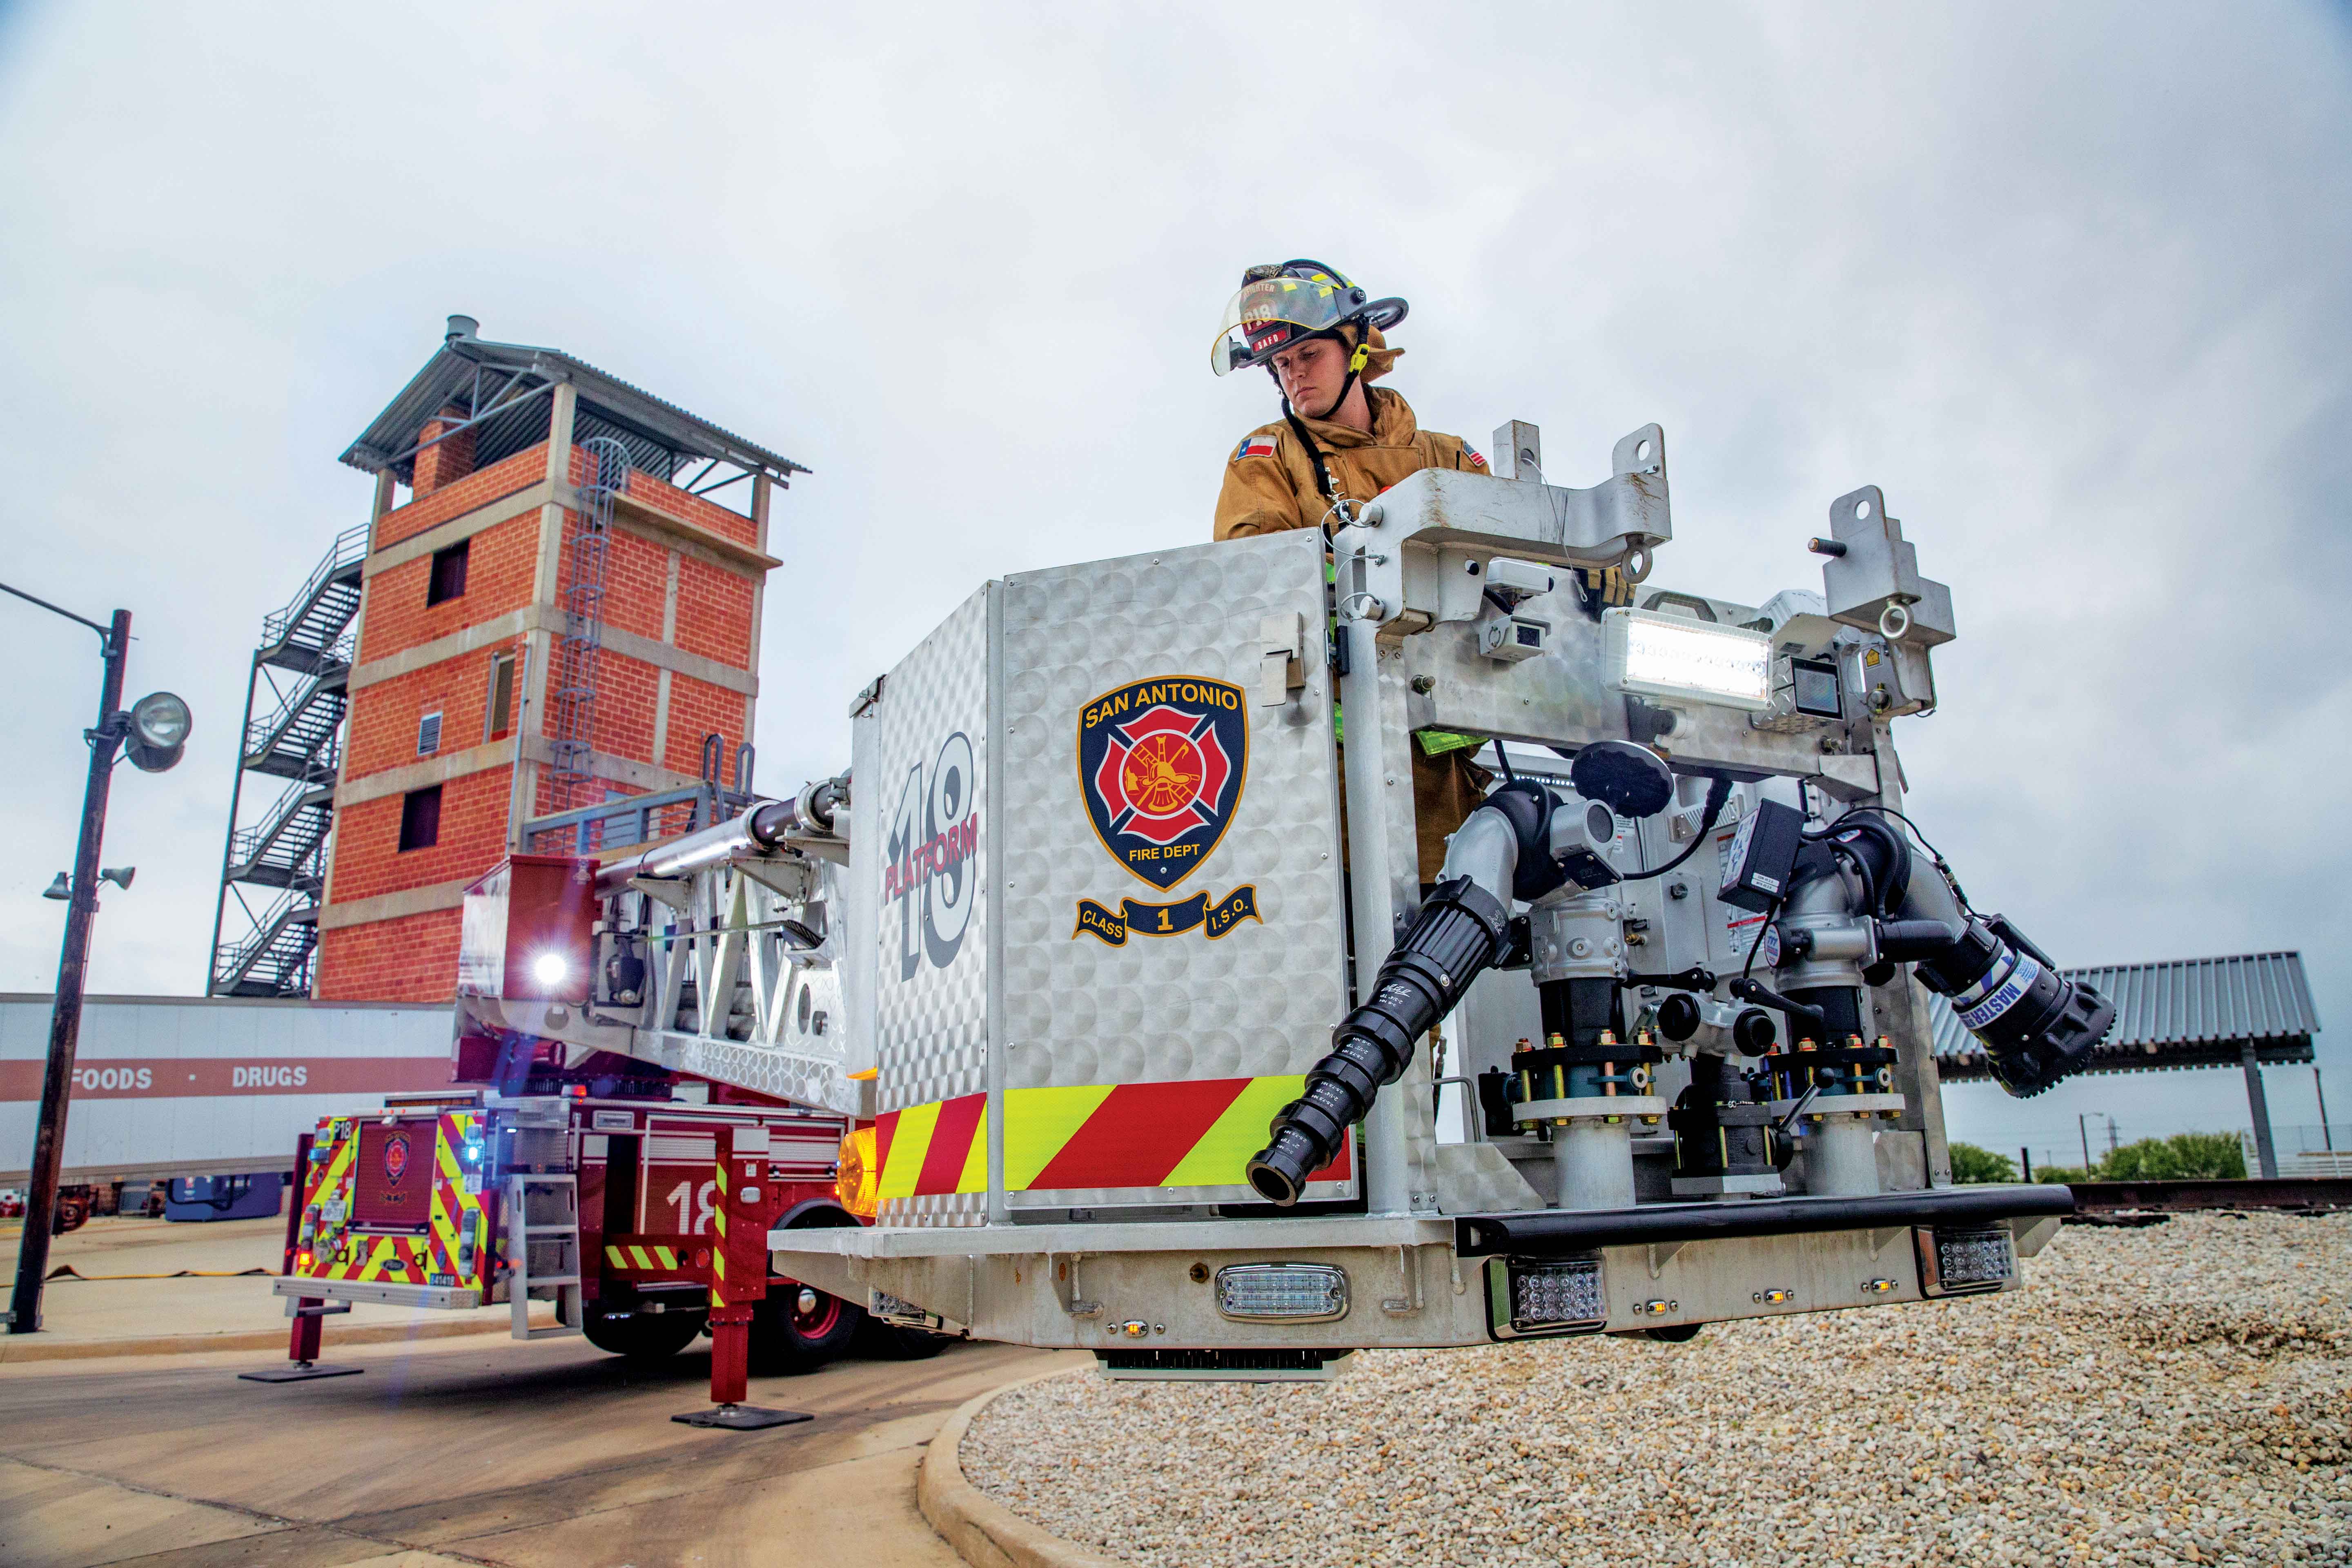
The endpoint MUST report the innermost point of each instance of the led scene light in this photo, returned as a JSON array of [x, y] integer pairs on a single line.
[[1673, 655]]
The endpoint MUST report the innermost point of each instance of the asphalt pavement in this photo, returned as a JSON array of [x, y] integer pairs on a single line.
[[127, 1437], [474, 1450]]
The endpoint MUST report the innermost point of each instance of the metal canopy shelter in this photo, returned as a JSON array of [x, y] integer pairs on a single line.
[[500, 387], [2248, 1012]]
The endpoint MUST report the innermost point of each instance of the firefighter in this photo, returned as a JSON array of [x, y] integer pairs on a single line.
[[1340, 441]]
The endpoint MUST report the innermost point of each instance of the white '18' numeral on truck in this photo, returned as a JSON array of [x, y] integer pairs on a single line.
[[694, 1220]]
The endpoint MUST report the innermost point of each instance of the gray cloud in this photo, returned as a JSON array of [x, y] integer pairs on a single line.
[[2069, 284]]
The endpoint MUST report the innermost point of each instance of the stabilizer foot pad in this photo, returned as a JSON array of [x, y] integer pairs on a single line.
[[300, 1371], [742, 1417]]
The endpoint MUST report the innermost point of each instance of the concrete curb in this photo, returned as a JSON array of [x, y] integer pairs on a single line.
[[985, 1533], [14, 1349]]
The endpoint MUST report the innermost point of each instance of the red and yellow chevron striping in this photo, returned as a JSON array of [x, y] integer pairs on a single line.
[[1192, 1132], [658, 1256], [341, 1249]]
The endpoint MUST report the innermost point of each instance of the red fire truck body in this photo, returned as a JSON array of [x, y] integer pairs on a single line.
[[635, 1196], [603, 1207]]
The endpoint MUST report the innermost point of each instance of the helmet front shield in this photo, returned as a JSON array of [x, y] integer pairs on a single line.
[[1269, 314]]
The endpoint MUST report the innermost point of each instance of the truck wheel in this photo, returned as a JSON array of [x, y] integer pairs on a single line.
[[643, 1336], [798, 1328]]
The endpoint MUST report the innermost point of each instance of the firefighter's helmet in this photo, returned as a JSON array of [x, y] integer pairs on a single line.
[[1281, 304]]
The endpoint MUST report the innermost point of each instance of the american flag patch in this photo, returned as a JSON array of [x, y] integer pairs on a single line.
[[1257, 446], [1471, 453]]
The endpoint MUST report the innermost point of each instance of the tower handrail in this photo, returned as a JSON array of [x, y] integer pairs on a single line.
[[261, 734], [236, 960], [349, 548], [249, 842]]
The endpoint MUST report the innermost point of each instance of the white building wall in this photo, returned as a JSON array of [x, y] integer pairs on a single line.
[[191, 1086]]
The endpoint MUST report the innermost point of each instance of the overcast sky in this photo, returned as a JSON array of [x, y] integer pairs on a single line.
[[2070, 283]]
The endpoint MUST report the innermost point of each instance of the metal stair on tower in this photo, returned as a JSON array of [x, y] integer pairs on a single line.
[[299, 681], [274, 960]]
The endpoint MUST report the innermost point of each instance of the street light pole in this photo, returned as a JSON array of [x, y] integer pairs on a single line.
[[65, 1019]]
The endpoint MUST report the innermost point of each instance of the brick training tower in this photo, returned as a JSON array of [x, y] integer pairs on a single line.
[[562, 613]]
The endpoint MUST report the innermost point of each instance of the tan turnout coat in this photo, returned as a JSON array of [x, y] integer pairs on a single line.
[[1270, 485], [1270, 478]]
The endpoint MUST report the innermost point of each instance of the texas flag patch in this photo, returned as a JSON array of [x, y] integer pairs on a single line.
[[1471, 453], [1257, 446]]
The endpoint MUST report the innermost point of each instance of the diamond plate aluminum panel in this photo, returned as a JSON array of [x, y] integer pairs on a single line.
[[921, 915], [1261, 998]]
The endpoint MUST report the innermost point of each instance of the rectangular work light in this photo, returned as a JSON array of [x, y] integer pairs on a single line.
[[1961, 1262], [1527, 1297], [1282, 1292], [1653, 655]]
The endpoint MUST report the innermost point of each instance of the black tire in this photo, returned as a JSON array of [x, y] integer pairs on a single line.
[[788, 1337], [888, 1342], [643, 1336], [1675, 1334]]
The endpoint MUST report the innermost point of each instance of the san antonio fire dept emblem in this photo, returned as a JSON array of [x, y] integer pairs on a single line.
[[395, 1157], [1161, 765]]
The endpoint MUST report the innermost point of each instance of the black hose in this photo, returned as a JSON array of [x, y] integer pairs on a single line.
[[1462, 929]]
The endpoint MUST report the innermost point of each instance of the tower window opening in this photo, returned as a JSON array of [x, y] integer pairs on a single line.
[[500, 708], [448, 579], [420, 818]]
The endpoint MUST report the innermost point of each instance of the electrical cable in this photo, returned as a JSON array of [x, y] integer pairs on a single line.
[[1869, 883], [1718, 791], [1748, 967], [1935, 856], [1504, 757]]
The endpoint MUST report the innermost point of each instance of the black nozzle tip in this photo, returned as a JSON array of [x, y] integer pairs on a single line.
[[1272, 1185], [1279, 1174]]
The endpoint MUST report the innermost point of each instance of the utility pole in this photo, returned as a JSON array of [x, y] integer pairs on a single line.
[[2083, 1131], [65, 1016], [155, 731]]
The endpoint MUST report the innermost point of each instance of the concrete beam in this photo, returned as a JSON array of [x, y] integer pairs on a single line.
[[409, 901], [542, 619], [639, 516], [464, 525]]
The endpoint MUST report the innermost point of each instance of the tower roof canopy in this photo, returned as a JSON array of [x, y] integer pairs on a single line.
[[500, 389]]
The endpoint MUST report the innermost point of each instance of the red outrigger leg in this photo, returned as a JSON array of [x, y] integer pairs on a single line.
[[738, 1279]]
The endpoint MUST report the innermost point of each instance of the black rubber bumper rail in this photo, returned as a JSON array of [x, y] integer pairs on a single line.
[[1550, 1232]]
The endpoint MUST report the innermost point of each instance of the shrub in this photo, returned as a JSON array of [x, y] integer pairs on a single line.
[[1970, 1163], [2063, 1175], [2184, 1156]]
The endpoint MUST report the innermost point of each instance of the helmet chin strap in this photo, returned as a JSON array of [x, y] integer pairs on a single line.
[[1359, 356]]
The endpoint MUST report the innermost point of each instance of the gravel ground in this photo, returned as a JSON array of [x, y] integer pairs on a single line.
[[2181, 1393]]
